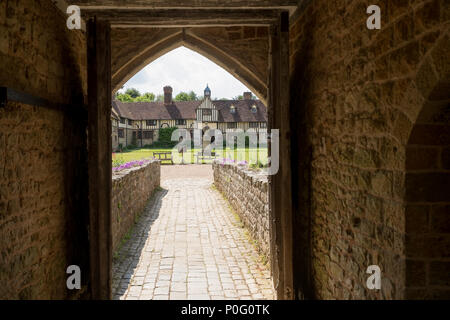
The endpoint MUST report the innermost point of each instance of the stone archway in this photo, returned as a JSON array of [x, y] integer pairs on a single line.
[[166, 40], [268, 85], [427, 181], [427, 216]]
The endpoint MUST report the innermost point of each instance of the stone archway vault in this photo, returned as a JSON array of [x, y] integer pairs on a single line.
[[170, 39]]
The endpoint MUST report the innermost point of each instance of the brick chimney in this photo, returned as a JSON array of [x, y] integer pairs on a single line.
[[248, 96], [168, 95]]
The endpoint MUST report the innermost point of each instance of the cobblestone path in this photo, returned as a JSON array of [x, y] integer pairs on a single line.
[[189, 245]]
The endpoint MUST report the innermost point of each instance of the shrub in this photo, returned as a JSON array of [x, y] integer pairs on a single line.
[[165, 138], [259, 165], [133, 142], [117, 161]]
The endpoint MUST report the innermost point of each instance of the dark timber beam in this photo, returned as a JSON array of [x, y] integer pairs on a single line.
[[99, 142], [289, 5], [183, 18], [281, 185]]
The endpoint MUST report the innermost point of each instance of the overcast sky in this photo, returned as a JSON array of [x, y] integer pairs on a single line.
[[186, 70]]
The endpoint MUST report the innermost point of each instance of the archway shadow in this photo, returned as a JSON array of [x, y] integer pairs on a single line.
[[427, 200], [126, 258]]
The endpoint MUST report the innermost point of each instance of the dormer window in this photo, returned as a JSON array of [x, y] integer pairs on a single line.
[[233, 109], [254, 109]]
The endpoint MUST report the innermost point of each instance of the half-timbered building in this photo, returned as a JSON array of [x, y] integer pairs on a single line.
[[139, 123]]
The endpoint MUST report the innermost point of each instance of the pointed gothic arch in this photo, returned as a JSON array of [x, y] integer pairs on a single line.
[[177, 38]]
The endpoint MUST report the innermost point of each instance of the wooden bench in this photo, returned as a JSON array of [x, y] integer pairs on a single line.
[[202, 157], [163, 156]]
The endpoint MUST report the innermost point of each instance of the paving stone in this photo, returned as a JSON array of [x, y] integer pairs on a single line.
[[178, 296], [178, 287], [187, 245], [199, 297], [162, 290]]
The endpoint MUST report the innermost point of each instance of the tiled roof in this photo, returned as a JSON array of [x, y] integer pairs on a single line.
[[157, 110], [243, 111], [187, 110]]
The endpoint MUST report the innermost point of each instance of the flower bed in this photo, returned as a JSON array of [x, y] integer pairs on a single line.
[[132, 187], [132, 164], [224, 161]]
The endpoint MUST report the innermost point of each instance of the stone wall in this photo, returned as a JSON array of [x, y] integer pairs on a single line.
[[428, 203], [248, 194], [43, 57], [355, 96], [131, 191], [43, 185]]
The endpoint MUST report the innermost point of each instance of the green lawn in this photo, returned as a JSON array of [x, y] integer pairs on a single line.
[[249, 155]]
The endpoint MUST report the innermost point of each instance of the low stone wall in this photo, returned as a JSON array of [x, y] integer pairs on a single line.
[[248, 194], [131, 191]]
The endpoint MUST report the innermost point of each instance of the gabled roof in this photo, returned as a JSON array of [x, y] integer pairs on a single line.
[[243, 111], [186, 110], [157, 110]]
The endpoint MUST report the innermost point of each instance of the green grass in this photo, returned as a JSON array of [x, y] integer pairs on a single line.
[[249, 155]]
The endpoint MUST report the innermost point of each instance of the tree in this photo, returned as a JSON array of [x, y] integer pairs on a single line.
[[146, 97], [133, 95], [193, 96], [132, 92], [123, 97], [182, 96]]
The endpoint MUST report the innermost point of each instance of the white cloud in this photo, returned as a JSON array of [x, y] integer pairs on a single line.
[[186, 70]]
